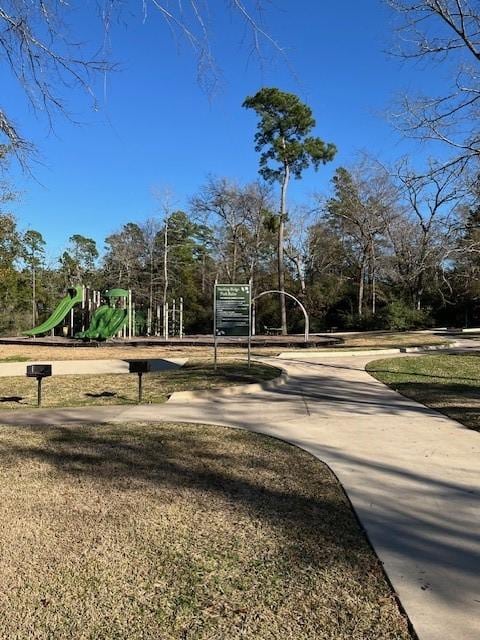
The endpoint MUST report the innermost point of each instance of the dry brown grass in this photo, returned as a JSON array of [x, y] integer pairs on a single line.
[[12, 352], [384, 339], [168, 532], [109, 389], [372, 339]]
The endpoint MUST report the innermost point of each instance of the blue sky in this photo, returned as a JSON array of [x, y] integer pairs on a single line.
[[157, 129]]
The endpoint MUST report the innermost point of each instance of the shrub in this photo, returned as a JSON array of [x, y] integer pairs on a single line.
[[399, 316], [395, 316], [366, 322]]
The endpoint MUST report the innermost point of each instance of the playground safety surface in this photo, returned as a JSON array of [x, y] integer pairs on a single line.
[[294, 340]]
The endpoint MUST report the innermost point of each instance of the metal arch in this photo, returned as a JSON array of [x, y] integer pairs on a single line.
[[307, 322]]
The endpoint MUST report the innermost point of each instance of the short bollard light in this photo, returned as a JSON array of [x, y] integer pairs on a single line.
[[39, 371], [140, 367]]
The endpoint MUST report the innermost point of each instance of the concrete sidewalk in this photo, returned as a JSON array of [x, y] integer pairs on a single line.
[[76, 367], [412, 474]]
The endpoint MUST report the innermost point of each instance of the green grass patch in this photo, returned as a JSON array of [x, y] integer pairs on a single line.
[[110, 389], [181, 532], [14, 358], [449, 383]]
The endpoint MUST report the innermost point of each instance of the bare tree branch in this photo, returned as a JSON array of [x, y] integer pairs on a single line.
[[443, 30], [43, 52]]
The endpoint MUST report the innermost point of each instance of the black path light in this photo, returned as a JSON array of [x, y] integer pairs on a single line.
[[140, 367], [39, 371]]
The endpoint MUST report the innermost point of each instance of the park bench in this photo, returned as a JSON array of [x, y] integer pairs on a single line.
[[272, 331]]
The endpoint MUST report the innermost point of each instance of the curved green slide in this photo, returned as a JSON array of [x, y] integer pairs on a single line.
[[74, 296], [106, 322]]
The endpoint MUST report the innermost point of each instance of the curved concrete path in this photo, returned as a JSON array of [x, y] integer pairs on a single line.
[[412, 474], [92, 367]]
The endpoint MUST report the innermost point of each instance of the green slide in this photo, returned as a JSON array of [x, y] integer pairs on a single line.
[[74, 297], [106, 322]]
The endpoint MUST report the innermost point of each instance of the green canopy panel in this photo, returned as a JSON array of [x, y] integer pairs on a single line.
[[106, 323], [116, 293]]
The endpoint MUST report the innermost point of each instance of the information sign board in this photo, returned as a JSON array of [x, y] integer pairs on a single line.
[[232, 309]]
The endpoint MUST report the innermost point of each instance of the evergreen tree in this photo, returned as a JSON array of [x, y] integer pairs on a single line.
[[286, 149]]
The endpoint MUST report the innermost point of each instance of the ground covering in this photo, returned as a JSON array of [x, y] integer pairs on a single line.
[[21, 353], [389, 339], [93, 390], [370, 339], [449, 383], [14, 358], [180, 531]]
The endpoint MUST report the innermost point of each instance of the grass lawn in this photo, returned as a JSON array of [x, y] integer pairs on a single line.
[[169, 532], [370, 339], [21, 353], [389, 339], [447, 382], [14, 358], [106, 389]]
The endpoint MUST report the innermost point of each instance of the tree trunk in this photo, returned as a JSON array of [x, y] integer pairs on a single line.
[[302, 282], [361, 286], [34, 302], [165, 263], [150, 297], [203, 272], [281, 277], [281, 234], [374, 293], [419, 293], [150, 301], [234, 259], [373, 275], [300, 274]]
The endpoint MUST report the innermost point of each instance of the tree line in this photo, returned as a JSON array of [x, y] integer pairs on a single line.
[[387, 247], [384, 249]]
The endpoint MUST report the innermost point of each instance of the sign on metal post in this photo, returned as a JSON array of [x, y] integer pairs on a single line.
[[232, 313]]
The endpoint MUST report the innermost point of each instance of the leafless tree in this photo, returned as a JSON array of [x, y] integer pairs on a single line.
[[217, 202], [123, 260], [255, 201], [167, 205], [151, 231], [423, 234], [362, 204], [297, 243], [36, 46], [447, 32], [237, 216], [46, 55]]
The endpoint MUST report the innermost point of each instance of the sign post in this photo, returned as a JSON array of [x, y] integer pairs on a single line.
[[232, 314]]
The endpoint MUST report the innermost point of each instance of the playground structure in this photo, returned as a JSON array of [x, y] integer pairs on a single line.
[[108, 315], [168, 320], [95, 321], [111, 319], [119, 317], [74, 296]]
